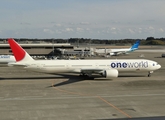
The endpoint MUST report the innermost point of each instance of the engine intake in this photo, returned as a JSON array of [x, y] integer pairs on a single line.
[[110, 73]]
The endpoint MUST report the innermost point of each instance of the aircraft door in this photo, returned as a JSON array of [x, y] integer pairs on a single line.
[[96, 65], [67, 66]]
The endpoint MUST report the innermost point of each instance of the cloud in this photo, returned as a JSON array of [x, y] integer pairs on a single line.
[[79, 29], [68, 29], [161, 30], [25, 23], [150, 28], [84, 23], [113, 28], [131, 31], [48, 31], [58, 25], [58, 31], [140, 30]]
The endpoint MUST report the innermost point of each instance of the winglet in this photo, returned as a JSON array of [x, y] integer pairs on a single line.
[[19, 53]]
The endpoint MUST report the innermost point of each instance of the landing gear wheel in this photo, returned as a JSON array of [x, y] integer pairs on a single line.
[[149, 73], [86, 76], [82, 75], [91, 78]]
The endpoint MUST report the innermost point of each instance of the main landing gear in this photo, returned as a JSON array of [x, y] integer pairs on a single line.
[[86, 76], [149, 73]]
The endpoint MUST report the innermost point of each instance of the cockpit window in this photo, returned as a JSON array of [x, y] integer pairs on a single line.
[[153, 64]]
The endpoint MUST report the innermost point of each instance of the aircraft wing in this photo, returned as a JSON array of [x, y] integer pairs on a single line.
[[107, 73], [91, 70], [88, 70]]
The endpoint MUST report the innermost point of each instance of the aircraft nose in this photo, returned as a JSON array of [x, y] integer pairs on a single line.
[[159, 66]]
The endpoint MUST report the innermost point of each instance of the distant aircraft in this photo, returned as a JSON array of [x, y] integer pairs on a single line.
[[104, 68], [114, 52], [4, 59]]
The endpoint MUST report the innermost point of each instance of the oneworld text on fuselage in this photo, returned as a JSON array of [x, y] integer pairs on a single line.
[[142, 64]]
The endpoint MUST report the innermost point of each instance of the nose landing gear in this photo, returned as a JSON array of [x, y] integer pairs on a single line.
[[149, 73]]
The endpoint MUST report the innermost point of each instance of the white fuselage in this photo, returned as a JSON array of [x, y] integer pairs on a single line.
[[75, 66], [112, 51], [121, 50]]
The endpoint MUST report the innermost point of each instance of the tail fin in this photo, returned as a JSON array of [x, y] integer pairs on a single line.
[[19, 53], [136, 45]]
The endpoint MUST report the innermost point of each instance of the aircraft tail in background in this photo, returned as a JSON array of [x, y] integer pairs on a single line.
[[135, 46]]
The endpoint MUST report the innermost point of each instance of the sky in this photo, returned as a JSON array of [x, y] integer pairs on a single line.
[[94, 19]]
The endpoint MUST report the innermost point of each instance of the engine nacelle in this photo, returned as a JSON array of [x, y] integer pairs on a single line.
[[110, 73]]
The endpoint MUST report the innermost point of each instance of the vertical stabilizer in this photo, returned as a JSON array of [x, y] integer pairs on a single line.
[[135, 45], [19, 53]]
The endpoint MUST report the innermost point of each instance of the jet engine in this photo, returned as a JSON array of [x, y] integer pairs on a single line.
[[110, 73]]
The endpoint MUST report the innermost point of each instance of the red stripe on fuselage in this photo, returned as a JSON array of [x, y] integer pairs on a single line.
[[17, 50]]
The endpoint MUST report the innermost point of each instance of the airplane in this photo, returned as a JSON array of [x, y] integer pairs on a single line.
[[114, 52], [104, 68], [4, 59]]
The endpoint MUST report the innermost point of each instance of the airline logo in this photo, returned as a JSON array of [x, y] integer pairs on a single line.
[[142, 64], [4, 56]]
